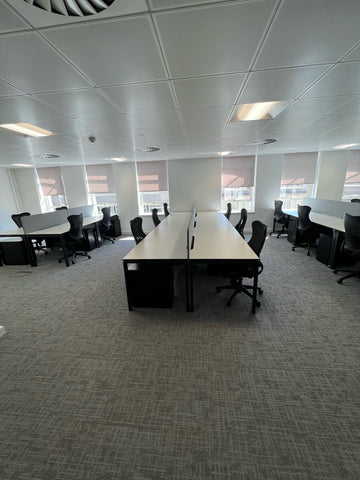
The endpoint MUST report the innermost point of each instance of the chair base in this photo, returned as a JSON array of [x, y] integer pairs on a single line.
[[354, 271], [74, 254], [239, 287], [112, 240]]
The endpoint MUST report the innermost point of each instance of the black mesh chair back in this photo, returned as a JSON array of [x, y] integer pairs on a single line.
[[75, 239], [106, 225], [257, 240], [228, 211], [355, 200], [278, 212], [155, 217], [136, 229], [242, 222], [352, 232], [166, 210], [76, 232], [304, 222], [62, 208], [16, 217]]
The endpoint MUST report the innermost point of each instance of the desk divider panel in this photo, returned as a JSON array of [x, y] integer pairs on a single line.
[[32, 223], [190, 231], [332, 207], [86, 210]]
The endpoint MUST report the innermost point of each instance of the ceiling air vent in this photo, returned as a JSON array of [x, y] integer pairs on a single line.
[[47, 155], [72, 8], [147, 149], [265, 141]]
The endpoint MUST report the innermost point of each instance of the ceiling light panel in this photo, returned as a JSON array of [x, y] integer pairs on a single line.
[[26, 129]]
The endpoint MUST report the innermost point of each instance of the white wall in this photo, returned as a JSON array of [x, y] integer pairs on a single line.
[[26, 184], [75, 185], [194, 180], [8, 202], [332, 174]]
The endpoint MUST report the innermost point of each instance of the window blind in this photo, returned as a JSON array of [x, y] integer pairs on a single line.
[[238, 172], [299, 168], [353, 169], [50, 181], [100, 178], [152, 176]]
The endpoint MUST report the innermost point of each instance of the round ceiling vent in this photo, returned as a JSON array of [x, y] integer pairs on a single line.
[[72, 8], [265, 141], [147, 149]]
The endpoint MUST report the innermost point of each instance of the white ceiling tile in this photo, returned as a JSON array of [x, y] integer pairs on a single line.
[[208, 91], [218, 39], [10, 21], [121, 50], [79, 103], [308, 32], [160, 4], [206, 115], [26, 109], [29, 63], [142, 97], [161, 119], [281, 84], [111, 124], [343, 79], [6, 90]]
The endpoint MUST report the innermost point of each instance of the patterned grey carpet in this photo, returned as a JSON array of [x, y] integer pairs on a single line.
[[90, 391]]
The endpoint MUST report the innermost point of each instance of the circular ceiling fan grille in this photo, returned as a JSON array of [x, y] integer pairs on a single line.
[[72, 8]]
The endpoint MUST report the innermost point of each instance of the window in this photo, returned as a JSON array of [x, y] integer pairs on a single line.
[[51, 187], [352, 181], [152, 185], [298, 177], [101, 186], [237, 183]]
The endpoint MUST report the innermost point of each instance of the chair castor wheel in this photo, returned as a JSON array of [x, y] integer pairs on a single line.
[[261, 291]]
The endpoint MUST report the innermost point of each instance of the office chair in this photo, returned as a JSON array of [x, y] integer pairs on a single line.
[[280, 217], [307, 232], [228, 211], [256, 242], [75, 240], [155, 217], [37, 242], [105, 225], [166, 210], [242, 222], [136, 229], [64, 207], [351, 247], [355, 200]]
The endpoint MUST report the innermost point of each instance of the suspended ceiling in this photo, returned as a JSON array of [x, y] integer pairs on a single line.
[[170, 73]]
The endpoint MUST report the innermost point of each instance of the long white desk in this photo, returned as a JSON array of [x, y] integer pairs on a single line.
[[215, 240]]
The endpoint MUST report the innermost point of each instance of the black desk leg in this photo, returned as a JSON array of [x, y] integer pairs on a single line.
[[128, 288], [254, 301], [29, 247], [190, 290], [65, 250], [97, 235]]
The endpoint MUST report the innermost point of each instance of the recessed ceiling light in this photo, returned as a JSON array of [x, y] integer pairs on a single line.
[[120, 159], [347, 145], [223, 154], [253, 111], [26, 129]]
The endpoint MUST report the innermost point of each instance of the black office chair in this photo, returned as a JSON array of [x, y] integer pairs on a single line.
[[355, 200], [242, 222], [155, 217], [256, 242], [105, 225], [166, 210], [228, 211], [37, 242], [307, 232], [75, 239], [351, 247], [64, 207], [136, 229], [281, 218]]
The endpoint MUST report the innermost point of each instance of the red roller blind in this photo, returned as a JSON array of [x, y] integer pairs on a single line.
[[100, 178], [299, 168], [152, 176], [50, 181], [353, 170], [238, 172]]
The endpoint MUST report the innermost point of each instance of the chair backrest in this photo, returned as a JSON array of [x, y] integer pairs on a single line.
[[352, 232], [76, 227], [105, 221], [228, 211], [16, 217], [304, 222], [166, 210], [355, 200], [155, 217], [257, 240], [242, 222], [278, 212], [136, 229], [64, 207]]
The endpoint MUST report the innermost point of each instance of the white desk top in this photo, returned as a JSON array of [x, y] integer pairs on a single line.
[[15, 232], [64, 227], [336, 223], [167, 241], [217, 239]]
